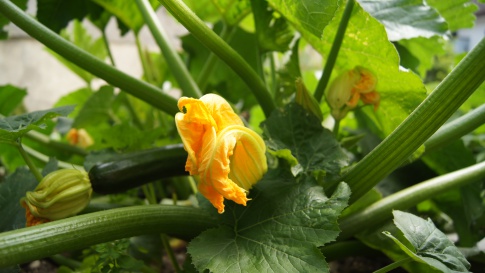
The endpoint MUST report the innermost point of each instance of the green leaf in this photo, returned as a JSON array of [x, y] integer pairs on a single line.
[[232, 11], [458, 13], [78, 98], [406, 19], [96, 109], [274, 33], [22, 4], [127, 12], [365, 44], [279, 230], [10, 98], [56, 14], [81, 38], [205, 9], [431, 246], [424, 50], [314, 147], [223, 79], [10, 157], [287, 77], [312, 16], [14, 127]]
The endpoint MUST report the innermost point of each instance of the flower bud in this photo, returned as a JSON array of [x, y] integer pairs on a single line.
[[79, 137], [306, 100], [340, 92], [60, 194]]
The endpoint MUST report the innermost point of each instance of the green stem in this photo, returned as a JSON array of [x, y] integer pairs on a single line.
[[380, 211], [332, 56], [61, 146], [456, 129], [226, 53], [146, 70], [226, 34], [426, 119], [29, 161], [171, 255], [62, 260], [77, 232], [394, 265], [177, 66], [81, 58], [336, 127], [108, 49], [44, 158]]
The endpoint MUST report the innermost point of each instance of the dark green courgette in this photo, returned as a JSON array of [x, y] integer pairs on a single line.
[[135, 169]]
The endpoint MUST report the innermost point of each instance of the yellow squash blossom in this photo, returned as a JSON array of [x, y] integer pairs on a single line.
[[226, 157], [350, 87]]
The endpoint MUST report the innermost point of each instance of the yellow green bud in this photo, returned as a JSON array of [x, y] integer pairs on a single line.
[[305, 99], [60, 194]]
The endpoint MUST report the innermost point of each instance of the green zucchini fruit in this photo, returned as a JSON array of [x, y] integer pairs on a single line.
[[135, 169]]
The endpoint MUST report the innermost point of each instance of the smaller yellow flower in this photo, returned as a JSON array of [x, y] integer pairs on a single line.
[[79, 137], [350, 87], [226, 158]]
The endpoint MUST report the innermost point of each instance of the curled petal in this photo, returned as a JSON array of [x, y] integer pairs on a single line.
[[221, 111], [372, 98], [232, 163], [367, 82]]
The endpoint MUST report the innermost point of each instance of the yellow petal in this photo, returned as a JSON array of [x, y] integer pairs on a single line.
[[221, 111], [233, 162]]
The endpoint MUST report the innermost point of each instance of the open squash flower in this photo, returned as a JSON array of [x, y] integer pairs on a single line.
[[350, 87], [226, 158]]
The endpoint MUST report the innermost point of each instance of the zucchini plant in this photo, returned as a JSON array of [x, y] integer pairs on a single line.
[[282, 136]]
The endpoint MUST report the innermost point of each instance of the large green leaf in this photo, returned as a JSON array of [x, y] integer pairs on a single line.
[[429, 244], [457, 13], [279, 230], [232, 11], [14, 127], [365, 44], [406, 19], [81, 38], [4, 21], [127, 12], [10, 97], [274, 33], [314, 147], [311, 16], [96, 109]]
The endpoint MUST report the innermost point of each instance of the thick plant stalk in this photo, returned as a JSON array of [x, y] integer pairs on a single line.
[[426, 119], [377, 213], [177, 67], [226, 53], [27, 244], [142, 90]]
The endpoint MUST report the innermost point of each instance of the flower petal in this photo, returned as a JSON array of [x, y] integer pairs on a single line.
[[221, 111]]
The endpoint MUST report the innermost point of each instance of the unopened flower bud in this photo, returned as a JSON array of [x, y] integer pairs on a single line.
[[340, 92], [306, 100], [60, 194]]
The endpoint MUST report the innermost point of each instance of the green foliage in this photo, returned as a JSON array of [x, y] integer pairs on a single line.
[[400, 91], [406, 19], [81, 38], [428, 244], [458, 14], [127, 12], [313, 146], [285, 219], [14, 127], [10, 98], [300, 14]]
